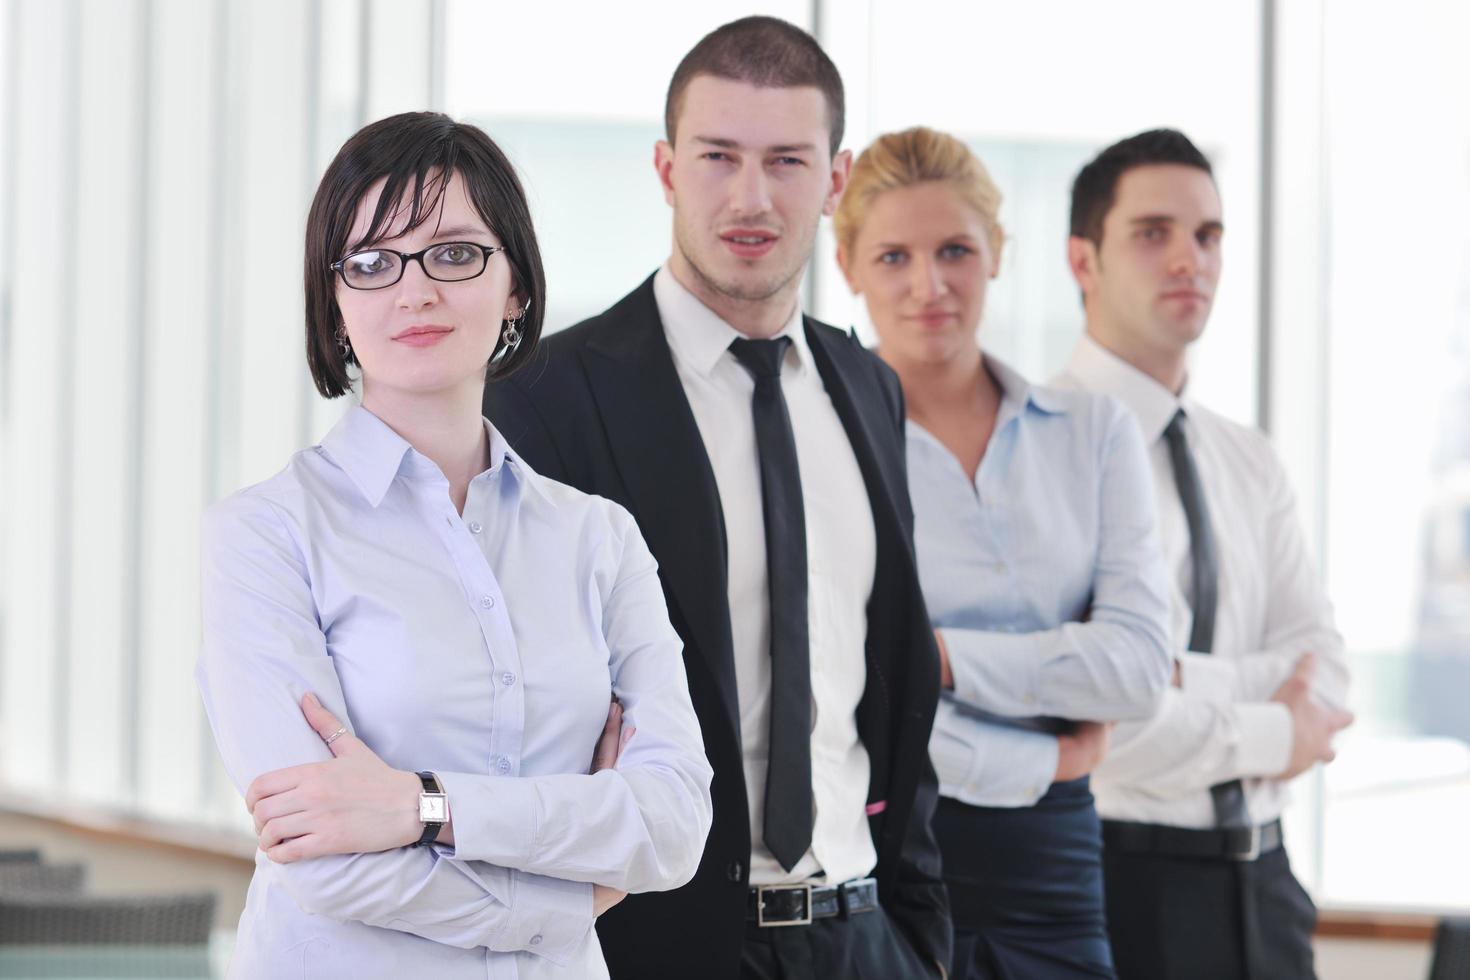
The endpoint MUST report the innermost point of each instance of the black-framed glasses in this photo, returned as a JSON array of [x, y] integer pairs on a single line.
[[379, 268]]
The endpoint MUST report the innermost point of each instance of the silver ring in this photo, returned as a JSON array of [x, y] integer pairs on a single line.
[[335, 735]]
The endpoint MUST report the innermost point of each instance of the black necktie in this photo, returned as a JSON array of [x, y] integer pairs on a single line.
[[1228, 797], [788, 823]]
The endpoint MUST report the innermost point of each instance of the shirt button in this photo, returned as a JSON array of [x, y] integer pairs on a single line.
[[507, 678], [487, 601], [503, 766], [536, 939], [475, 527]]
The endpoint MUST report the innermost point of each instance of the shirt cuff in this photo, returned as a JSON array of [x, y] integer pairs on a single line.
[[496, 819], [997, 672], [1265, 733], [990, 765], [1207, 677], [548, 917]]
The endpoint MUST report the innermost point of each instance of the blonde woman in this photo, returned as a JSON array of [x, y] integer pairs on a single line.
[[1039, 560]]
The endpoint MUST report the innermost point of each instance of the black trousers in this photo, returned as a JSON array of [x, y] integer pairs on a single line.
[[1025, 887], [1208, 919], [866, 946]]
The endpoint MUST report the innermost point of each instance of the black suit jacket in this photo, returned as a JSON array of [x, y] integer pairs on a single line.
[[601, 407]]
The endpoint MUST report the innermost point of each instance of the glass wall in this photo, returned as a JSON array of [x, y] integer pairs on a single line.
[[1379, 370]]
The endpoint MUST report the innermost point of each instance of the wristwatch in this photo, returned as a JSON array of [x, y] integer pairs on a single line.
[[433, 808]]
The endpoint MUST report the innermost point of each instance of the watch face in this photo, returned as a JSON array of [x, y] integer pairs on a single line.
[[431, 808]]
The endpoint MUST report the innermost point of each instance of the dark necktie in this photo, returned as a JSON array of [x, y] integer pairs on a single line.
[[1228, 797], [788, 822]]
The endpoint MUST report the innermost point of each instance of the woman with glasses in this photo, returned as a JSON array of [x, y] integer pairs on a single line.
[[412, 640], [1039, 560]]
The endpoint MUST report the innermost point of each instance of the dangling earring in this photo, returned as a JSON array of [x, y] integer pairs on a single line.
[[343, 344], [510, 337]]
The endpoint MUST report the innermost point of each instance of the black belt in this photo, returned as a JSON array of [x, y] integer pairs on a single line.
[[1222, 844], [798, 905]]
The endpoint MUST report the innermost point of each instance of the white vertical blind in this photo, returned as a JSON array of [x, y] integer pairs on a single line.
[[174, 445], [42, 300], [98, 259]]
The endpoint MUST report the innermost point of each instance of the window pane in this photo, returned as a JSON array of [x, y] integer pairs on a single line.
[[1037, 99], [1398, 451]]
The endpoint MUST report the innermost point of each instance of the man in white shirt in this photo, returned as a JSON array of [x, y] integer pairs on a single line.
[[761, 453], [1198, 883]]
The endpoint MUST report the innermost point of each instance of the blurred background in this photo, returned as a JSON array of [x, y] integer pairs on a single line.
[[156, 162]]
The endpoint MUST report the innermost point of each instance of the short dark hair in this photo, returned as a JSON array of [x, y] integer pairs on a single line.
[[1096, 186], [417, 153], [766, 52]]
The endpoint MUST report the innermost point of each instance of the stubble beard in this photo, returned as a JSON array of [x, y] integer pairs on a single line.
[[759, 291]]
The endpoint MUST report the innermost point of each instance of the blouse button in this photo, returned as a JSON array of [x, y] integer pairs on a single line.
[[487, 602], [503, 766], [507, 678], [475, 527], [536, 939]]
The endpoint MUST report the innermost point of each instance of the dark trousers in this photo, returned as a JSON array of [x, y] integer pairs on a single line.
[[1025, 887], [1208, 919], [865, 946]]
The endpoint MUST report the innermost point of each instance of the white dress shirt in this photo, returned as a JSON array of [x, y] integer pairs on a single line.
[[483, 647], [1044, 577], [1220, 724], [841, 548]]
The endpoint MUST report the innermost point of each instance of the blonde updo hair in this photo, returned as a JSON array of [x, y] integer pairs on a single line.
[[916, 156]]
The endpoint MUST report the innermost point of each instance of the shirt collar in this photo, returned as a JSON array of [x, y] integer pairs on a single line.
[[699, 337], [1098, 369], [1016, 395], [372, 455], [1019, 393], [500, 452]]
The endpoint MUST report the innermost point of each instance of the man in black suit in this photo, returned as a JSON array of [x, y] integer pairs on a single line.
[[762, 454]]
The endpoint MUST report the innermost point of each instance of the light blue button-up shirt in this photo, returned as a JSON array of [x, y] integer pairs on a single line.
[[483, 647], [1045, 578]]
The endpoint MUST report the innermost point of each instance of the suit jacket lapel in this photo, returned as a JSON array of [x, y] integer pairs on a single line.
[[660, 456], [868, 426]]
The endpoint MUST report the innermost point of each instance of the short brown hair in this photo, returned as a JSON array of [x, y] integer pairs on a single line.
[[766, 52], [415, 153], [916, 156]]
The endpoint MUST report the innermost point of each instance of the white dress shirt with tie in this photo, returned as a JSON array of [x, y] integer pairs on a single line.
[[1219, 724], [483, 647], [841, 550]]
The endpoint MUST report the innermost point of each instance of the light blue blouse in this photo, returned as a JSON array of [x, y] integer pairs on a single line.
[[1046, 580], [483, 647]]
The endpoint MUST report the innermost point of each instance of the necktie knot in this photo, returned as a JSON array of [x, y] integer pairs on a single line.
[[762, 358], [1174, 431]]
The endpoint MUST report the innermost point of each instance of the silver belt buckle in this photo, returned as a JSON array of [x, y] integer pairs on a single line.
[[760, 905], [1255, 848]]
